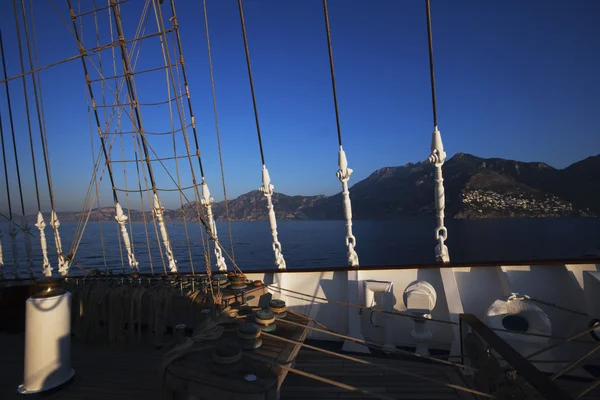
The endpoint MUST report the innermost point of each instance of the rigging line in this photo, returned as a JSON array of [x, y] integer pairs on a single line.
[[594, 385], [168, 65], [262, 155], [13, 77], [130, 89], [160, 103], [144, 71], [152, 159], [431, 74], [96, 184], [12, 129], [92, 133], [146, 132], [126, 193], [214, 97], [575, 363], [49, 244], [199, 210], [362, 307], [185, 82], [85, 216], [378, 346], [202, 221], [119, 238], [317, 377], [91, 94], [41, 124], [415, 317], [181, 112], [138, 147], [79, 233], [554, 305], [175, 189], [569, 339], [335, 100], [5, 168], [81, 14], [39, 79], [143, 211], [381, 366]]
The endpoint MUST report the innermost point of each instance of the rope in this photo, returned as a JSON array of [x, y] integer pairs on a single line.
[[85, 270], [7, 195], [206, 200], [575, 363], [377, 346], [12, 128], [165, 52], [557, 306], [5, 167], [185, 82], [431, 71], [137, 146], [386, 367], [96, 25], [414, 317], [362, 307], [38, 106], [344, 173], [262, 155], [437, 158], [91, 94], [319, 378], [144, 216], [335, 100], [95, 10], [594, 385], [97, 194], [214, 98]]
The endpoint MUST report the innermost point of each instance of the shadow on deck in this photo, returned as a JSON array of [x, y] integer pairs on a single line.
[[131, 372]]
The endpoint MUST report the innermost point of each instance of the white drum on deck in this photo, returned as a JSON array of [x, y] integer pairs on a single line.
[[47, 341], [520, 315]]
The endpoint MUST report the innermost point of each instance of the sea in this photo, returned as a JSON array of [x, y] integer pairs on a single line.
[[310, 244]]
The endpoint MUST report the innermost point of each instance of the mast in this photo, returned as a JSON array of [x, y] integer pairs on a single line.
[[120, 216]]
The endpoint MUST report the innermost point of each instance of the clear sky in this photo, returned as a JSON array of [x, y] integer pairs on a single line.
[[515, 79]]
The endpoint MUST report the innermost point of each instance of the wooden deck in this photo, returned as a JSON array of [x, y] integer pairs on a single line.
[[131, 372]]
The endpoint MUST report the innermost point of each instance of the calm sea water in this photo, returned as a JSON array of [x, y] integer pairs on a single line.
[[321, 243]]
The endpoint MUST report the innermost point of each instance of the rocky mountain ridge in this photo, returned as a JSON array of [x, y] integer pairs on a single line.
[[475, 188]]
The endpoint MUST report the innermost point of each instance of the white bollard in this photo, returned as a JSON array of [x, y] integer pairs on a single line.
[[47, 341]]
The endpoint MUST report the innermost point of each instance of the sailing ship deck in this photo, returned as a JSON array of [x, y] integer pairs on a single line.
[[131, 372]]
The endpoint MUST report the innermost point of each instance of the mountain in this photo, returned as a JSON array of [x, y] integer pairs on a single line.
[[475, 188], [252, 206]]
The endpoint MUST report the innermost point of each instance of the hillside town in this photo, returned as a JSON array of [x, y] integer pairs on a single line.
[[525, 204]]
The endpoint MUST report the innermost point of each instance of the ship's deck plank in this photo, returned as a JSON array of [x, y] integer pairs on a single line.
[[131, 372]]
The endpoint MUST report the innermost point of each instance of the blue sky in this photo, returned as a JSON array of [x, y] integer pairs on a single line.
[[514, 79]]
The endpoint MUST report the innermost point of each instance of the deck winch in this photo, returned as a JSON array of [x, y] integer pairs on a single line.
[[278, 308], [226, 357], [249, 336], [237, 282], [265, 320]]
